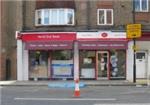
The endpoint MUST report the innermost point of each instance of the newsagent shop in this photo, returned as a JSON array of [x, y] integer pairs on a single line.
[[50, 55]]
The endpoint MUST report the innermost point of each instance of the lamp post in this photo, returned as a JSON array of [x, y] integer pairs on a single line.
[[133, 32], [134, 60]]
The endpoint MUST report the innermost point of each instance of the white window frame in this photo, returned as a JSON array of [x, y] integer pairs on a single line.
[[141, 7], [105, 16], [57, 19]]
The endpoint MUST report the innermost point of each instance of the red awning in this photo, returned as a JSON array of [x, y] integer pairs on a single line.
[[90, 45], [48, 45], [48, 36]]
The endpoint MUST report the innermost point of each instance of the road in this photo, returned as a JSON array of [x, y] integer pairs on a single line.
[[95, 95]]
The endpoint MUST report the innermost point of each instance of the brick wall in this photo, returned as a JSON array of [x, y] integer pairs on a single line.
[[54, 4], [11, 19]]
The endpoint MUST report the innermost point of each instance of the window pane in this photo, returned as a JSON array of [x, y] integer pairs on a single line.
[[62, 55], [54, 17], [61, 17], [140, 55], [39, 17], [70, 18], [137, 5], [144, 4], [62, 63], [109, 17], [38, 64], [46, 17], [87, 62], [117, 63], [101, 17]]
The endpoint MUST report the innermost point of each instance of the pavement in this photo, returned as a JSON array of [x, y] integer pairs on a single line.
[[86, 82]]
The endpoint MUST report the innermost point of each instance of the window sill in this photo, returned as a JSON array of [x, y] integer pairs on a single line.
[[142, 11], [105, 24], [54, 25]]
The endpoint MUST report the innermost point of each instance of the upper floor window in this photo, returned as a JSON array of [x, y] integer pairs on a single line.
[[141, 5], [105, 17], [54, 17]]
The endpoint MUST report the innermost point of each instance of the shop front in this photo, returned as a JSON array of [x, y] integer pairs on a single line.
[[50, 62], [102, 58], [47, 55], [53, 55]]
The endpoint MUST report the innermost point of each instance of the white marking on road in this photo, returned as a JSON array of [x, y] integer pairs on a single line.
[[125, 104], [67, 99], [6, 82]]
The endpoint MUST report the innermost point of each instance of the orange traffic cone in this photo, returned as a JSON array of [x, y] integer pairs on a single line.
[[77, 90]]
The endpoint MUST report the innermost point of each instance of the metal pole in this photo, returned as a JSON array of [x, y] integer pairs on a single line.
[[134, 44], [134, 62]]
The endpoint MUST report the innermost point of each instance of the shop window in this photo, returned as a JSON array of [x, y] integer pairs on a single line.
[[141, 5], [62, 55], [117, 64], [62, 64], [105, 16], [38, 64], [54, 17], [87, 64], [140, 55]]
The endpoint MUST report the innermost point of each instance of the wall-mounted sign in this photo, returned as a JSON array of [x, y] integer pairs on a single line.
[[62, 68], [112, 35], [102, 45], [45, 45], [87, 35], [48, 36], [100, 35], [104, 35], [133, 30]]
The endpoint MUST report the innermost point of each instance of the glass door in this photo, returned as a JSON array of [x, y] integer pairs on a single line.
[[102, 64]]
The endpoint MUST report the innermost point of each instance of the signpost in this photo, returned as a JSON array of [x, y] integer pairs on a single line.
[[133, 32]]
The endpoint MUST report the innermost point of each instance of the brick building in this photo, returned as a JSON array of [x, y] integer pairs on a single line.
[[11, 20], [56, 39]]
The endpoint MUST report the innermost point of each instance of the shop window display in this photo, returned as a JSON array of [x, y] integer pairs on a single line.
[[62, 64], [117, 64], [38, 64], [87, 64]]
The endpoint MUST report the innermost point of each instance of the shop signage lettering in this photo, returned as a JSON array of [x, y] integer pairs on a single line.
[[102, 45], [101, 35], [48, 36], [48, 45]]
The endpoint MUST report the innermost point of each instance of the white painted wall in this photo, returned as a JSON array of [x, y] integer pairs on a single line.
[[19, 60], [129, 65], [76, 61], [143, 45], [25, 64], [148, 69]]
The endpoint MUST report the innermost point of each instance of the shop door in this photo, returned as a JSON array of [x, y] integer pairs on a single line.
[[141, 60], [102, 64]]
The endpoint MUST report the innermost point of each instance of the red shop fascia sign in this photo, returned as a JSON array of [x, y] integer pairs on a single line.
[[46, 36]]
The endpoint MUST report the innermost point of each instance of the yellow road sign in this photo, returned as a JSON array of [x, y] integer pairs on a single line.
[[133, 30]]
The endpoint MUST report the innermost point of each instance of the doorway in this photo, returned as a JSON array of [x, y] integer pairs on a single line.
[[102, 64], [141, 63]]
